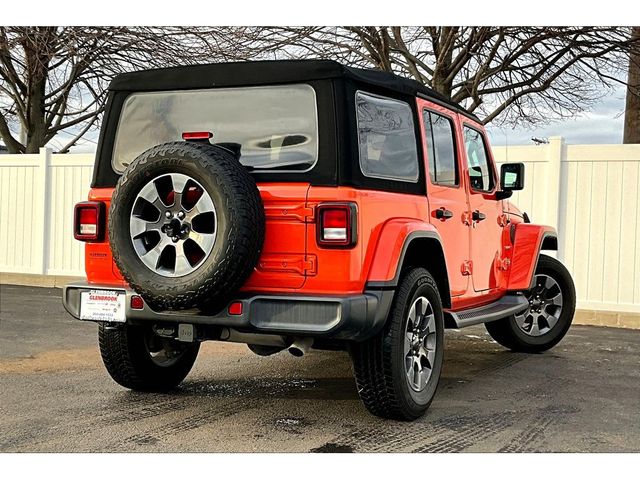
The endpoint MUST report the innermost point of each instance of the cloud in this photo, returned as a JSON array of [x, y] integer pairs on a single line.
[[603, 124]]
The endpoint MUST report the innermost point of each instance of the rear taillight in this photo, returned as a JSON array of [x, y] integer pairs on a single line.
[[88, 221], [336, 225]]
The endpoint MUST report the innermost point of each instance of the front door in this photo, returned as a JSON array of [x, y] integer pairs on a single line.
[[484, 209], [446, 191]]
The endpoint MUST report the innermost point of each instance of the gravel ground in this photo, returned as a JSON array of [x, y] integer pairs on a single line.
[[55, 396]]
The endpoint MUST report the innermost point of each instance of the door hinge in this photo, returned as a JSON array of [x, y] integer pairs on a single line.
[[503, 220], [309, 265], [467, 267], [504, 264]]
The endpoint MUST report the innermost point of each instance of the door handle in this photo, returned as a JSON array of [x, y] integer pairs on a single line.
[[478, 216], [443, 214]]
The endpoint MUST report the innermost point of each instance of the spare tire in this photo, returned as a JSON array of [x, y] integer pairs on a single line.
[[186, 225]]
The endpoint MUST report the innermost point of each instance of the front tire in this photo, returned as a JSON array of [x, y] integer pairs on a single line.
[[552, 304], [138, 359], [398, 370]]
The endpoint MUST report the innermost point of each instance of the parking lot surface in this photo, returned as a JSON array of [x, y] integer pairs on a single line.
[[55, 396]]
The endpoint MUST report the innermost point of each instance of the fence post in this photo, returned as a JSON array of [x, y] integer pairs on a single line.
[[41, 222], [555, 153]]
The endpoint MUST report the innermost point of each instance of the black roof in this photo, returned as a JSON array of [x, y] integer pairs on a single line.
[[268, 72]]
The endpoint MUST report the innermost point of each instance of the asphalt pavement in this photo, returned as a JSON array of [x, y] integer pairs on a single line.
[[56, 396]]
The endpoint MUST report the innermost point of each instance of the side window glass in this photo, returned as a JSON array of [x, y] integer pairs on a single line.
[[386, 138], [441, 150], [480, 171]]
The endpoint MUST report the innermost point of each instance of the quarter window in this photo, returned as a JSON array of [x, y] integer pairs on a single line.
[[480, 171], [441, 150], [386, 138]]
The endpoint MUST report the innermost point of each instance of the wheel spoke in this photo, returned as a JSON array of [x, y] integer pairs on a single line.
[[150, 194], [419, 380], [408, 337], [203, 205], [556, 300], [549, 283], [204, 240], [430, 324], [551, 319], [412, 317], [424, 356], [430, 341], [182, 266], [138, 226], [522, 318], [535, 328], [151, 258], [178, 181], [411, 367]]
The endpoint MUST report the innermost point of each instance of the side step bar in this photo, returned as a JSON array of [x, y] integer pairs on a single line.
[[507, 305]]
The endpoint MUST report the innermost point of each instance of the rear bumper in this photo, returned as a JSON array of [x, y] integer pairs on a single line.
[[353, 317]]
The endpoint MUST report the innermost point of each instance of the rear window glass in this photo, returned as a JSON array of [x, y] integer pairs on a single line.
[[386, 138], [276, 126]]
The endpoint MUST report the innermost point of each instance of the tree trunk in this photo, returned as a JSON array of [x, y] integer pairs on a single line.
[[443, 50], [632, 109]]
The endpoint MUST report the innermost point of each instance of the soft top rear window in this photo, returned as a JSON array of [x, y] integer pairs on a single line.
[[276, 126]]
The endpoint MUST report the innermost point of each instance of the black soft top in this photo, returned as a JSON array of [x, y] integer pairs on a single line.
[[269, 72]]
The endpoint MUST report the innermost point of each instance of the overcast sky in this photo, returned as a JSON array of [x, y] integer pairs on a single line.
[[603, 124]]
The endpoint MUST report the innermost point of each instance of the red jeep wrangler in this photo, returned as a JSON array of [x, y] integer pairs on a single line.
[[298, 204]]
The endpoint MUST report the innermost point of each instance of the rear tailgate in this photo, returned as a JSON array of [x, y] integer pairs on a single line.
[[283, 263]]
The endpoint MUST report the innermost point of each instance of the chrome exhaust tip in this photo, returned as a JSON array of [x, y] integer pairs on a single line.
[[300, 346]]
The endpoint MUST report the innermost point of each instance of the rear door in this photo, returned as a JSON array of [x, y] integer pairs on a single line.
[[446, 190], [485, 210]]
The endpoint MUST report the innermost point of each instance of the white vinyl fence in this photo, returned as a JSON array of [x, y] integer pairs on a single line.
[[37, 195], [590, 193]]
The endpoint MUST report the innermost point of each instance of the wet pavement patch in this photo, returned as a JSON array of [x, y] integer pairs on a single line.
[[291, 425], [332, 448]]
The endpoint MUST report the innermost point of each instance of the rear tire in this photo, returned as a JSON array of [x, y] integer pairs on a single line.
[[133, 356], [382, 365], [543, 324]]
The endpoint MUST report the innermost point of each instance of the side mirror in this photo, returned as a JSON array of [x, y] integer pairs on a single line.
[[511, 178]]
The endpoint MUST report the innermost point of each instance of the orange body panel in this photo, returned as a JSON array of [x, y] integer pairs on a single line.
[[98, 260], [283, 261], [528, 240], [390, 244]]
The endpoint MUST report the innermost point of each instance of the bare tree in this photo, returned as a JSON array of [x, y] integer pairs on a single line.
[[510, 74], [53, 79], [632, 110]]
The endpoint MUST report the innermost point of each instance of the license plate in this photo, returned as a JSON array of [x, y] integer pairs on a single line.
[[102, 306]]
